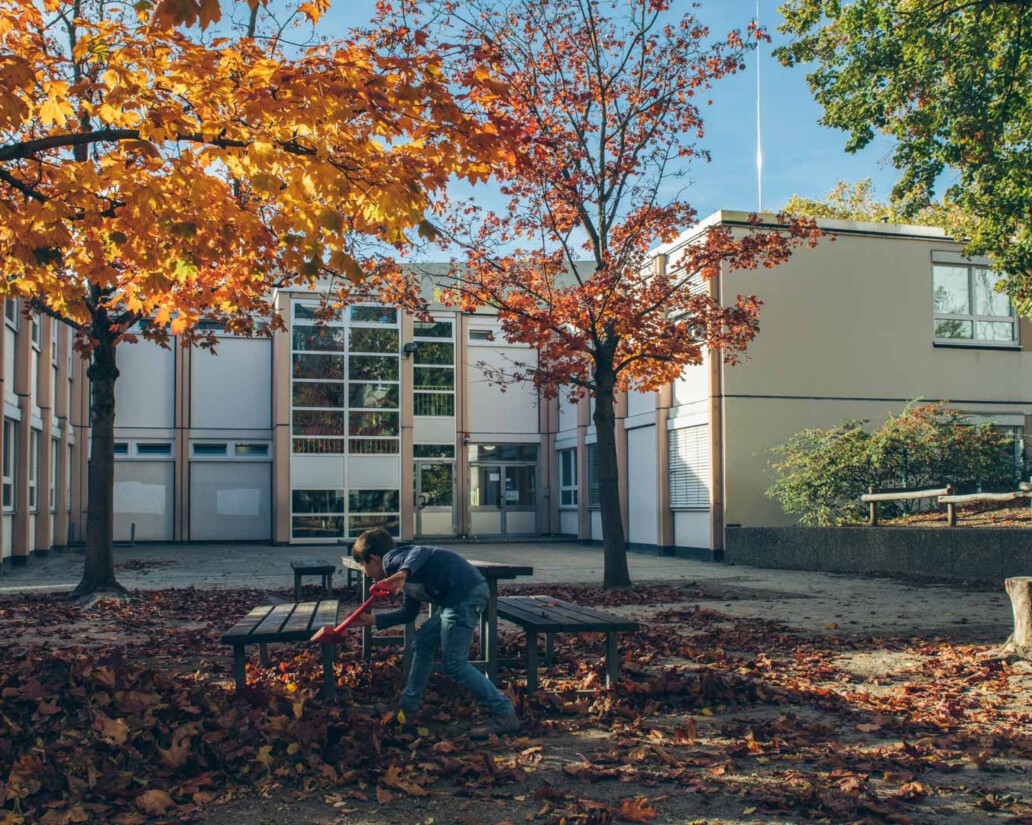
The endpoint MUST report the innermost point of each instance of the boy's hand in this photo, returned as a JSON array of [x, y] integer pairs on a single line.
[[395, 583]]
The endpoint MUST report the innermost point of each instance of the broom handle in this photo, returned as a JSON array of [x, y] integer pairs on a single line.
[[375, 593]]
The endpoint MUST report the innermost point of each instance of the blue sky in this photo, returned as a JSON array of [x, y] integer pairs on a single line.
[[800, 156]]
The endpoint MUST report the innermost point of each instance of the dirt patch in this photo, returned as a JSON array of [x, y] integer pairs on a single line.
[[976, 514]]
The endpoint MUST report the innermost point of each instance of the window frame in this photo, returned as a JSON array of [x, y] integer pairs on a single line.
[[36, 331], [55, 446], [697, 494], [11, 313], [10, 465], [972, 269], [34, 438], [569, 490], [430, 401]]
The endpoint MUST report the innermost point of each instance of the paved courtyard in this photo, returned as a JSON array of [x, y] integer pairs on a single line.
[[843, 603]]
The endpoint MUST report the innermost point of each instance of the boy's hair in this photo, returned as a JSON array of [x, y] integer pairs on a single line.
[[375, 542]]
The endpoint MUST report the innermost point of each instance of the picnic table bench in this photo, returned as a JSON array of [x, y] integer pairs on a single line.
[[312, 567], [548, 615], [290, 622]]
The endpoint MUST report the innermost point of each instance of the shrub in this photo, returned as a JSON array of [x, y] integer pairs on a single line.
[[823, 473]]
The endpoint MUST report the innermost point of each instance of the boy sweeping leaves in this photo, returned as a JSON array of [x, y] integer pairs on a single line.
[[459, 594]]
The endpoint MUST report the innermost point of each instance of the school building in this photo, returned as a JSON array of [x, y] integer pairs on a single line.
[[376, 418]]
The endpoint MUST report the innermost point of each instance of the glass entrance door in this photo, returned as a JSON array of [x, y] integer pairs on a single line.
[[503, 499], [435, 498]]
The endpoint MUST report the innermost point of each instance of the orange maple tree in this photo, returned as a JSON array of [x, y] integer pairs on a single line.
[[602, 113], [158, 169]]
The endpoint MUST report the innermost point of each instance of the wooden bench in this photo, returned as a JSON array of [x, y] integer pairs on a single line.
[[312, 567], [548, 615], [290, 622]]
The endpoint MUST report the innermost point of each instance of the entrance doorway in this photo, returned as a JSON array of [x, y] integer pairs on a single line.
[[503, 491], [435, 498]]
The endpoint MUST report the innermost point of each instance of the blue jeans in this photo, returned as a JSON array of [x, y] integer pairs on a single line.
[[453, 628]]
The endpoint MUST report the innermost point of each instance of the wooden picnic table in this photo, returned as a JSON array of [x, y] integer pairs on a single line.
[[493, 572]]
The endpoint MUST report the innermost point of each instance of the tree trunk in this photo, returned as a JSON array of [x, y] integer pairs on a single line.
[[99, 573], [614, 545], [1020, 591]]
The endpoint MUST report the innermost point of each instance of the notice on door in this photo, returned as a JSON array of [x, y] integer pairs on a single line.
[[512, 496]]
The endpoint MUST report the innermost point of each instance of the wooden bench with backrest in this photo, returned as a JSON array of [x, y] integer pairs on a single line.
[[549, 615], [290, 622]]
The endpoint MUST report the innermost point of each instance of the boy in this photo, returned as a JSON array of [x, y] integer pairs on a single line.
[[459, 594]]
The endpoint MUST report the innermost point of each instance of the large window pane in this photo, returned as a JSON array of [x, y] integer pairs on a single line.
[[433, 329], [373, 446], [433, 451], [373, 368], [317, 527], [987, 300], [320, 446], [951, 289], [506, 452], [318, 395], [318, 501], [433, 378], [311, 422], [364, 396], [435, 352], [318, 338], [993, 331], [327, 367], [433, 403], [373, 501], [373, 423], [945, 328], [359, 524], [374, 315], [374, 340]]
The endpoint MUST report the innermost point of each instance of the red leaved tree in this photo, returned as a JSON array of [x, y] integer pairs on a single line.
[[600, 106]]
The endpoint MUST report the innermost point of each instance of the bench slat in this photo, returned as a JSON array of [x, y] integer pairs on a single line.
[[273, 623], [243, 628], [312, 566], [326, 614], [546, 614], [301, 619], [590, 614]]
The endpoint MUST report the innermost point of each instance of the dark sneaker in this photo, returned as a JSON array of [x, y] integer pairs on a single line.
[[496, 726]]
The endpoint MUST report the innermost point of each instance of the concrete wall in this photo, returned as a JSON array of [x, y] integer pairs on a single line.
[[979, 554], [146, 388], [493, 415], [847, 332]]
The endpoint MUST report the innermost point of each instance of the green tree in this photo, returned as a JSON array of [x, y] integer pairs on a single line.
[[858, 202], [823, 473], [951, 82]]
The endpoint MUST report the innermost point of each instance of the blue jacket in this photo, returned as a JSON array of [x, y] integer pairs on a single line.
[[436, 575]]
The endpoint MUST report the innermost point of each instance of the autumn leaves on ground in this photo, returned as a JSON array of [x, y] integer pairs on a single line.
[[126, 714]]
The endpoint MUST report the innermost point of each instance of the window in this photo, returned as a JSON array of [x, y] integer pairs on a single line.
[[433, 451], [121, 448], [251, 450], [68, 479], [689, 451], [55, 447], [209, 449], [33, 471], [55, 328], [968, 309], [594, 501], [317, 514], [433, 372], [9, 446], [35, 320], [568, 478], [481, 335], [11, 312], [154, 448]]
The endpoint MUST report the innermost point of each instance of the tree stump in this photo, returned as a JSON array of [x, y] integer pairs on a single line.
[[1020, 642]]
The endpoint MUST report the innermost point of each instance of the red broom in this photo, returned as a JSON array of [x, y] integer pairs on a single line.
[[332, 635]]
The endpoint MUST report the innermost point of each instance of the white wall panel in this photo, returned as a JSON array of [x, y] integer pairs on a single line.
[[145, 390], [317, 472], [374, 472], [232, 390], [692, 529], [641, 485]]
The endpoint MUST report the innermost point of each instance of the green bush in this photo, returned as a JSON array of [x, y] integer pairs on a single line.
[[823, 473]]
